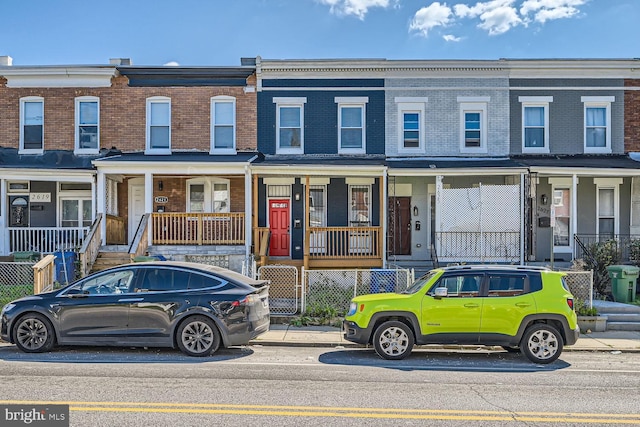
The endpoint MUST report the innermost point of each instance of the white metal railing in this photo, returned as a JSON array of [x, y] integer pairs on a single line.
[[46, 240]]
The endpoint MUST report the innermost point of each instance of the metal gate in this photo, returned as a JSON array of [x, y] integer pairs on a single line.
[[284, 290]]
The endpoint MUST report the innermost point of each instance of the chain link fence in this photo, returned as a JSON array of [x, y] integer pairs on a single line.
[[581, 286], [334, 289], [16, 280], [284, 289]]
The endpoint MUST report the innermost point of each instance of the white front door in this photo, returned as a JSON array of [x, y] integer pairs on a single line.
[[136, 205]]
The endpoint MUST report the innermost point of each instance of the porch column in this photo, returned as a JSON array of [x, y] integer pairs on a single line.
[[574, 212], [99, 196], [254, 216], [522, 218], [384, 209], [148, 203], [4, 218], [248, 209], [307, 232]]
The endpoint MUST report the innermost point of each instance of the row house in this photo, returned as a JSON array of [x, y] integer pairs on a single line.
[[155, 158]]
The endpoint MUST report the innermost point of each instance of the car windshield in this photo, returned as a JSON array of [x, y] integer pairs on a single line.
[[419, 283]]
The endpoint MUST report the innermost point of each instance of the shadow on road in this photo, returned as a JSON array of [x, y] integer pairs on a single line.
[[10, 353], [443, 360]]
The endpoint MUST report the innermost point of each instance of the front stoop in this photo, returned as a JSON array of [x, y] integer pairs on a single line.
[[620, 317]]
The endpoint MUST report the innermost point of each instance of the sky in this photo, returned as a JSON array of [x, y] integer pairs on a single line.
[[220, 32]]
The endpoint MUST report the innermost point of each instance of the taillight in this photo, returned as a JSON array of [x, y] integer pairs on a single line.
[[570, 303], [243, 301]]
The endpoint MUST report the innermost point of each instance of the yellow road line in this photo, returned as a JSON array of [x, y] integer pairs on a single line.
[[340, 412]]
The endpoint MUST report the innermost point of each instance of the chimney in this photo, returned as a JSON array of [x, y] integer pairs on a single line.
[[120, 61], [6, 61]]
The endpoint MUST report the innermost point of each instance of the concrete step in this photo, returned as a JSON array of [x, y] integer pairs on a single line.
[[112, 254], [623, 326], [622, 317]]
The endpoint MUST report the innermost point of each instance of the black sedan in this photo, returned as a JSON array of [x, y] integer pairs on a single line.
[[194, 307]]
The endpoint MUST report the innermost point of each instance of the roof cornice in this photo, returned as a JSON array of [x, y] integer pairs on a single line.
[[58, 76]]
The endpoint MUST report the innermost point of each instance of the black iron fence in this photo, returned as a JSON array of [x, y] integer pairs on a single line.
[[624, 247]]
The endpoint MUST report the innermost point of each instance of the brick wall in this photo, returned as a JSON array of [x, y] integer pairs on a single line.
[[123, 115], [632, 116]]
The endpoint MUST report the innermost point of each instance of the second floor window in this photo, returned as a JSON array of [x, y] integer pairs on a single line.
[[351, 124], [472, 129], [473, 124], [289, 125], [223, 124], [159, 124], [411, 130], [535, 123], [87, 124], [597, 124], [32, 124]]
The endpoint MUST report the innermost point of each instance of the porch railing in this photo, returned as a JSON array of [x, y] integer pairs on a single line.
[[90, 247], [44, 275], [344, 242], [140, 242], [628, 245], [46, 239], [116, 230], [198, 228], [475, 246]]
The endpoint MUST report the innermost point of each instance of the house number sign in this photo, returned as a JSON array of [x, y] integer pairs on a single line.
[[161, 199], [40, 197]]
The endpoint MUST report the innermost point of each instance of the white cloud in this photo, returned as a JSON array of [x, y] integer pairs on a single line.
[[451, 38], [358, 8], [547, 10], [427, 18], [496, 16], [171, 64]]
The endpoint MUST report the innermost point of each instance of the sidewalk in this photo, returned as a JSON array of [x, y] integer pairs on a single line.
[[327, 336]]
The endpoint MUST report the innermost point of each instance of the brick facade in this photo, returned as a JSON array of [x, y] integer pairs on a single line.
[[632, 116], [123, 115]]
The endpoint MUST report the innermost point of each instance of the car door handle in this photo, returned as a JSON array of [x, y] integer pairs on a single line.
[[522, 304], [472, 305], [130, 299]]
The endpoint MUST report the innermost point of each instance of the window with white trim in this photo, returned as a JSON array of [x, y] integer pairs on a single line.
[[32, 124], [159, 125], [289, 125], [535, 123], [360, 209], [87, 133], [75, 211], [205, 195], [351, 124], [597, 123], [473, 124], [223, 125], [411, 130], [607, 207]]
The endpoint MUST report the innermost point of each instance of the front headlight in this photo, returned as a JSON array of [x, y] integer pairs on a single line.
[[6, 308], [352, 309]]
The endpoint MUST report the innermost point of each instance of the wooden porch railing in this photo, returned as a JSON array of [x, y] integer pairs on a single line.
[[198, 228], [261, 243], [46, 239], [90, 247], [140, 242], [116, 230], [344, 243], [44, 272]]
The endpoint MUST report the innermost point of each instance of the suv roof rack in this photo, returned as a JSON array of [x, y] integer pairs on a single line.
[[496, 267]]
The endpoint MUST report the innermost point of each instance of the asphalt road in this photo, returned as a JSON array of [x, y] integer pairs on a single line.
[[280, 386]]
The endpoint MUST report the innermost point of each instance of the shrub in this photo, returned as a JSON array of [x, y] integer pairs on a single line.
[[603, 254]]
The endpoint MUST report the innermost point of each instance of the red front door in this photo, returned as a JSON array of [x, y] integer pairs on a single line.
[[279, 222]]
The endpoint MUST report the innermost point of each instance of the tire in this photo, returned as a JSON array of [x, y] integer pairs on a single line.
[[33, 333], [511, 349], [393, 340], [198, 336], [541, 343]]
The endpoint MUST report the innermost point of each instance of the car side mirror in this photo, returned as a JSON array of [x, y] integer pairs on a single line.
[[441, 292]]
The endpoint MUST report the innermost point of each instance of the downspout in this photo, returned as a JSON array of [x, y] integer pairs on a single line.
[[248, 209], [100, 189]]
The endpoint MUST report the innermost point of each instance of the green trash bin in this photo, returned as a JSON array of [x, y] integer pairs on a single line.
[[25, 256], [623, 282], [144, 258]]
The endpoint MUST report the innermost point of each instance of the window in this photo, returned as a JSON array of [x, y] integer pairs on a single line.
[[31, 125], [473, 124], [607, 206], [159, 125], [360, 211], [116, 282], [461, 286], [351, 124], [208, 195], [562, 205], [223, 125], [75, 212], [411, 132], [290, 125], [535, 123], [506, 285], [317, 206], [87, 125], [597, 124]]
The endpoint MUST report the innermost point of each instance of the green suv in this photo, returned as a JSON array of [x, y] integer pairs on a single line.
[[521, 308]]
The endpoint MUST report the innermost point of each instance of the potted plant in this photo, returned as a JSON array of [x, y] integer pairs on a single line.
[[589, 320]]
